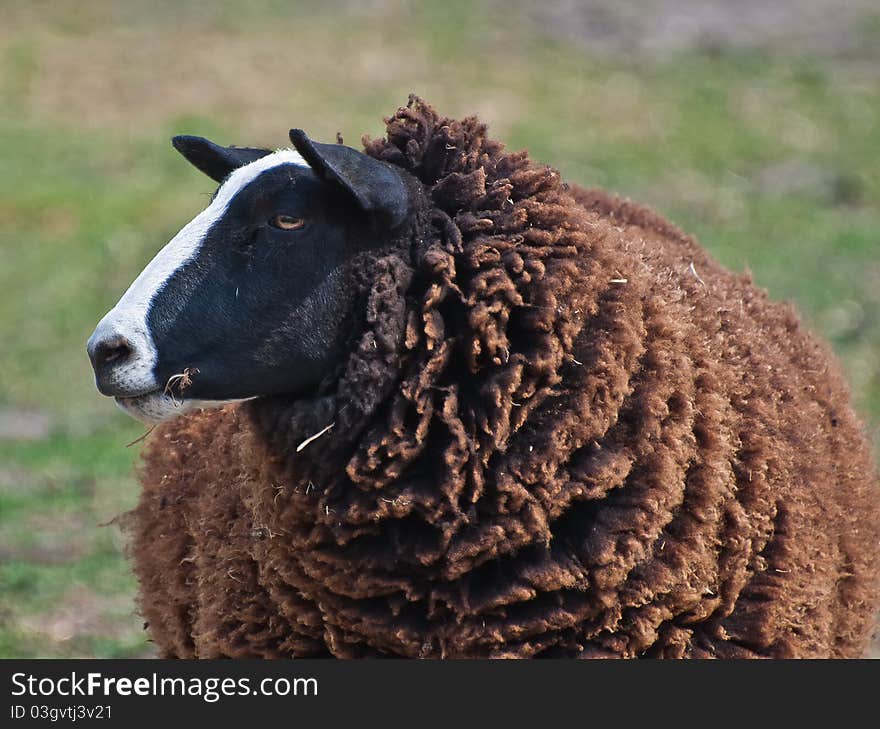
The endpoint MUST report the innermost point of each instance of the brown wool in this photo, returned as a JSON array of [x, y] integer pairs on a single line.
[[563, 430]]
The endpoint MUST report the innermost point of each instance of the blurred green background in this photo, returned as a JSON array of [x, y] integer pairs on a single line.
[[754, 125]]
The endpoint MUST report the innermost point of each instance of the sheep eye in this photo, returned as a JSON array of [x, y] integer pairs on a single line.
[[287, 222]]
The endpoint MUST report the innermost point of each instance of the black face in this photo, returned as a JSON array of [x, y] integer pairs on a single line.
[[264, 306], [259, 294]]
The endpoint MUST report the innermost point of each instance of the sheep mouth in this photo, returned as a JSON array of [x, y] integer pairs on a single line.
[[157, 405], [152, 407], [137, 396]]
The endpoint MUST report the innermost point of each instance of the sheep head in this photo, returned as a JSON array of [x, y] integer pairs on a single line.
[[262, 291]]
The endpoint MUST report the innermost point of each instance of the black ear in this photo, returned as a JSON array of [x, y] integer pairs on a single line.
[[376, 186], [212, 159]]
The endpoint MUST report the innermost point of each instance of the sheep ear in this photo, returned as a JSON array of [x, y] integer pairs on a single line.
[[212, 159], [376, 186]]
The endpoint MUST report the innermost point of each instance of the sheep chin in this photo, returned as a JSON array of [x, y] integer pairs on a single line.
[[158, 406]]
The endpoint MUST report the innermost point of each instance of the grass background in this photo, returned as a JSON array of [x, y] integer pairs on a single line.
[[766, 146]]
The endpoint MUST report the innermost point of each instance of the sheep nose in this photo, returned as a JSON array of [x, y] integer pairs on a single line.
[[107, 352]]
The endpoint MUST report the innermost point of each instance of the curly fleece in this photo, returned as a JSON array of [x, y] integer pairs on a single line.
[[563, 430]]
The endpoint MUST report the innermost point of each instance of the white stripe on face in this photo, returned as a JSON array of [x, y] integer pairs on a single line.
[[129, 317]]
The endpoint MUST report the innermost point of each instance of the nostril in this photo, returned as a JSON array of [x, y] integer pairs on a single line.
[[116, 349]]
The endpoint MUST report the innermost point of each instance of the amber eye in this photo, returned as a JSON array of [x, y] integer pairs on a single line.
[[287, 222]]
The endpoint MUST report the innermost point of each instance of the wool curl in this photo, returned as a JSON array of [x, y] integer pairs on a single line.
[[563, 430]]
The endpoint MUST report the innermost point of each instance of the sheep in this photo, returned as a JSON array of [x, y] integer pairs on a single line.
[[514, 418]]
